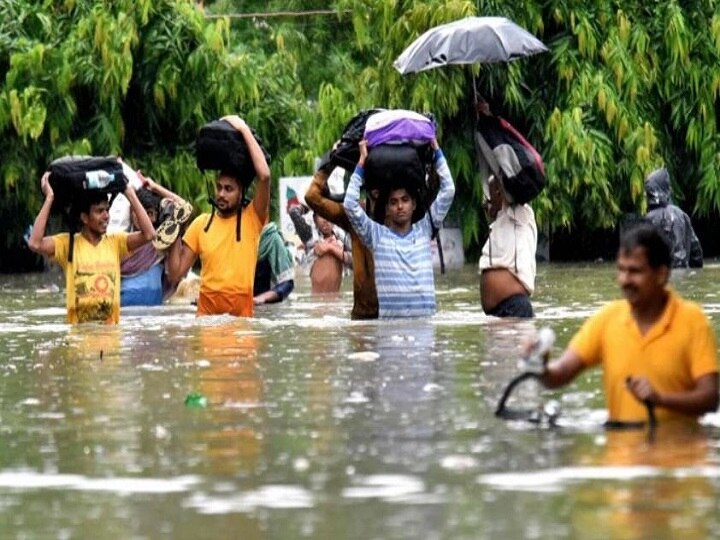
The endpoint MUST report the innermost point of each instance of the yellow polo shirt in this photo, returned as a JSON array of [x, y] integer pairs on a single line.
[[678, 349], [227, 274]]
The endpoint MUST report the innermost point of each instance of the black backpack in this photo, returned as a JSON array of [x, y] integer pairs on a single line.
[[71, 177], [221, 147], [347, 153], [511, 157], [401, 166]]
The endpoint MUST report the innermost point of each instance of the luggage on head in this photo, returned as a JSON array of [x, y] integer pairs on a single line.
[[399, 126], [511, 157], [221, 147], [400, 155], [347, 152], [71, 176], [390, 164]]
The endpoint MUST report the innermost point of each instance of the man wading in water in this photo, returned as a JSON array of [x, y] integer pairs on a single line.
[[655, 348]]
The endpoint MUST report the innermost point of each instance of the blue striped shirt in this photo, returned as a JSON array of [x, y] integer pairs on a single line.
[[403, 263]]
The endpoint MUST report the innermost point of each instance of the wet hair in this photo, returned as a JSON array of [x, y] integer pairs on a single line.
[[646, 235], [230, 174], [85, 200]]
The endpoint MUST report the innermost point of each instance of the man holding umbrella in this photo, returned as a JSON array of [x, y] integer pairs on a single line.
[[507, 265]]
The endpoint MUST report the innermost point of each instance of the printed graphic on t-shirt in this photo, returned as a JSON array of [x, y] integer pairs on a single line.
[[94, 294]]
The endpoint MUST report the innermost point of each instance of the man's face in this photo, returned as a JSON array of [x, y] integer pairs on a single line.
[[227, 195], [400, 207], [97, 218], [639, 282]]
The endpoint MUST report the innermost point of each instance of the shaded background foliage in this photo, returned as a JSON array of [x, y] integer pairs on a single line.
[[626, 87]]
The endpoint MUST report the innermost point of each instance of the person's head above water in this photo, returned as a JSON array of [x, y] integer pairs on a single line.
[[657, 188], [646, 236], [643, 265]]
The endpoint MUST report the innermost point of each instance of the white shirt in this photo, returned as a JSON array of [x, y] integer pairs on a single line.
[[512, 243]]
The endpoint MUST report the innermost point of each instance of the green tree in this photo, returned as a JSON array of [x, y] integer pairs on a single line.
[[135, 78], [625, 87]]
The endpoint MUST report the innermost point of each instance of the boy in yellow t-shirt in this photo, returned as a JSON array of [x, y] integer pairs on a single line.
[[92, 278], [227, 243], [655, 349]]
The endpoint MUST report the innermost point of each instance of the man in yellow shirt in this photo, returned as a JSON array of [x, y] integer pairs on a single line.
[[654, 347], [92, 273], [228, 244]]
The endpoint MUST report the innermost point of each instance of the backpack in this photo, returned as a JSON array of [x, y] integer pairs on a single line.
[[511, 158], [401, 166], [347, 152], [221, 147], [399, 126], [72, 176]]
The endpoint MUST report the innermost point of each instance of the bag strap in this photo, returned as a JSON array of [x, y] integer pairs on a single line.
[[507, 126], [485, 153]]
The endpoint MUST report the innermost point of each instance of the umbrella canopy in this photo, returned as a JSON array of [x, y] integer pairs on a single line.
[[467, 41]]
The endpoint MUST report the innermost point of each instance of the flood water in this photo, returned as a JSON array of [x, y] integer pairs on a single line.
[[320, 427]]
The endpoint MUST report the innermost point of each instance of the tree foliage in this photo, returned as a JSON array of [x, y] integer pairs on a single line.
[[625, 87], [135, 78]]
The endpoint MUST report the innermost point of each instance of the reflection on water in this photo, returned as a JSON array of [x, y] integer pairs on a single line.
[[321, 427]]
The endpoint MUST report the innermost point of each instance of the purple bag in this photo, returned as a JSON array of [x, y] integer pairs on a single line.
[[398, 126]]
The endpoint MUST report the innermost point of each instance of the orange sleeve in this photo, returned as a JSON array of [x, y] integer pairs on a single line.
[[703, 352], [587, 343], [192, 234]]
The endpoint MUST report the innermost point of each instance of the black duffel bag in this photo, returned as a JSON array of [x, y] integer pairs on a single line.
[[221, 147], [347, 152], [397, 166], [71, 176], [511, 157]]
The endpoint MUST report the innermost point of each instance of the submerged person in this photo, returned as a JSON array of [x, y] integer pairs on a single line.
[[227, 244], [672, 221], [144, 273], [274, 271], [92, 271], [365, 301], [401, 249], [654, 347]]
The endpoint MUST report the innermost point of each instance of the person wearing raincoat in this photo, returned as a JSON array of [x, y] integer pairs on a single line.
[[672, 221]]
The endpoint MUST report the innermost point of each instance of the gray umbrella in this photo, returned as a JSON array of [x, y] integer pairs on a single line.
[[467, 41]]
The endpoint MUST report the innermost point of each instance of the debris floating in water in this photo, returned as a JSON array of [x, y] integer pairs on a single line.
[[196, 399], [365, 356]]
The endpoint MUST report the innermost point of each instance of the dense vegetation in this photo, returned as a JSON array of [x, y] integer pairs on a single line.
[[625, 87]]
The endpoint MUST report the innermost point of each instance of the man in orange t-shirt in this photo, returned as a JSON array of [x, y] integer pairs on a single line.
[[227, 244], [655, 348]]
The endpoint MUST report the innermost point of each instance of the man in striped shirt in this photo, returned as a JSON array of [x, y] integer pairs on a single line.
[[403, 257]]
